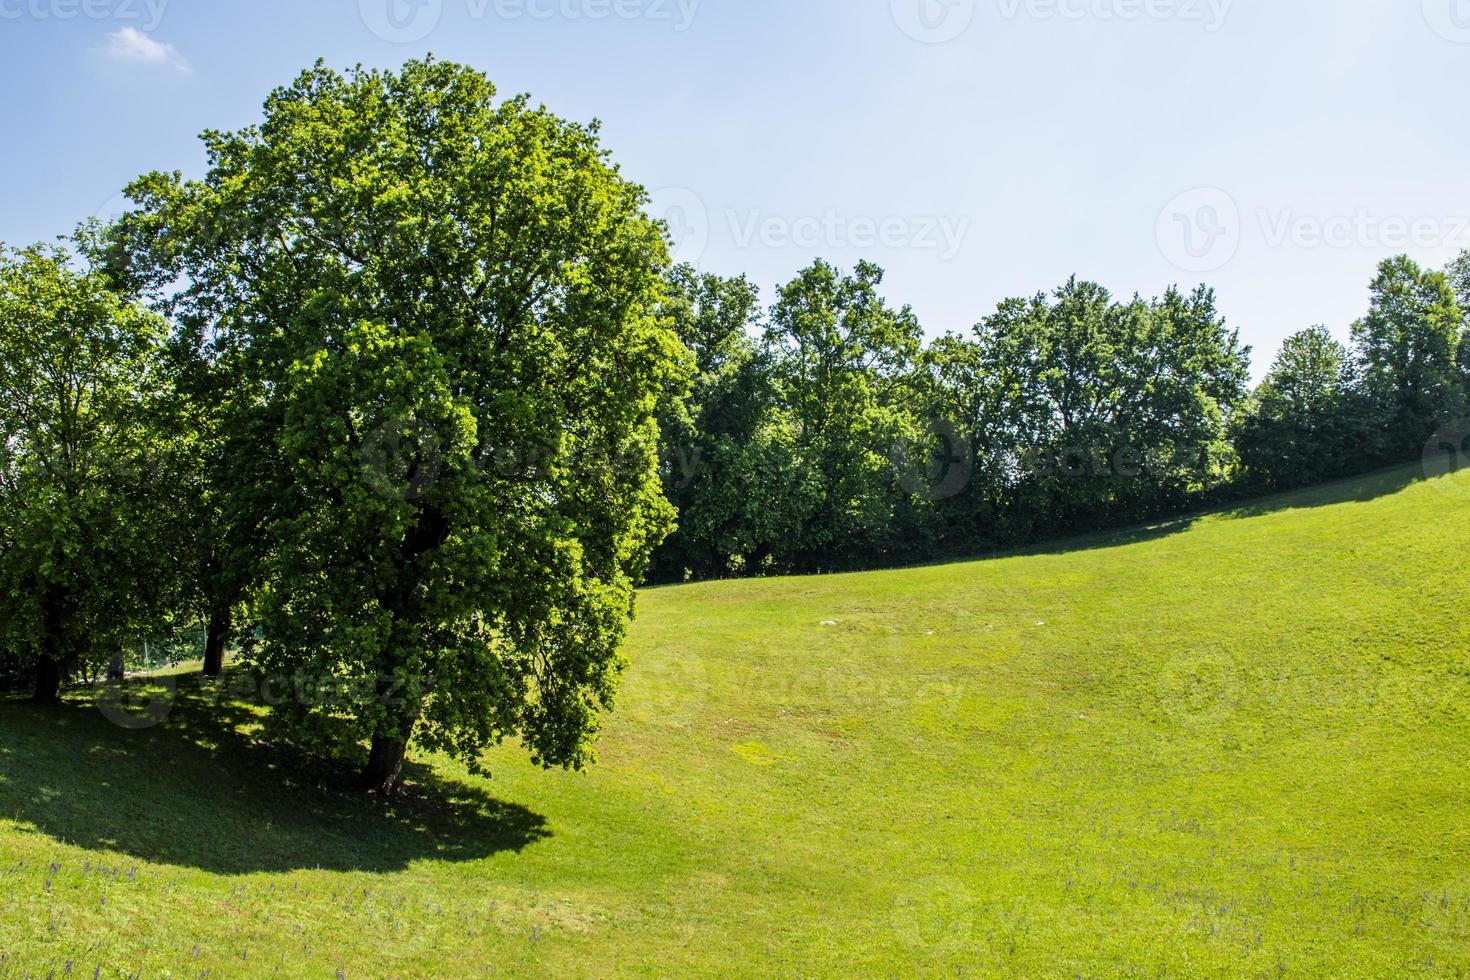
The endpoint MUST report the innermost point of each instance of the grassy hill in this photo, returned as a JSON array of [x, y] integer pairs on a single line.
[[1237, 745]]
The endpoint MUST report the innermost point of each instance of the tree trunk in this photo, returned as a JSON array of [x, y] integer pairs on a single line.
[[51, 667], [220, 623], [117, 669], [48, 680], [384, 772]]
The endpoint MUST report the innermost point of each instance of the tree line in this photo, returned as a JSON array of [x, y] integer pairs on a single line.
[[822, 433], [402, 401]]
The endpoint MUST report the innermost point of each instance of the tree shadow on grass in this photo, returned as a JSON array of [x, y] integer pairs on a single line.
[[1064, 539], [1357, 489], [197, 791]]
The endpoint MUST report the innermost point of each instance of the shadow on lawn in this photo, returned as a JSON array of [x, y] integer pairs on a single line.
[[198, 792], [1357, 489], [1063, 539]]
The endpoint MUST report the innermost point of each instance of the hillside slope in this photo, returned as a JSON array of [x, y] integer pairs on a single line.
[[1232, 746]]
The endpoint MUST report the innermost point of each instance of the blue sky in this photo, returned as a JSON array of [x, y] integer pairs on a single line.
[[977, 149]]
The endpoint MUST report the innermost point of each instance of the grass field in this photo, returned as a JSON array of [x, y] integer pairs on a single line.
[[1237, 745]]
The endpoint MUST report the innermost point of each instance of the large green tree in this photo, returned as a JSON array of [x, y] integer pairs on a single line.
[[444, 309], [844, 363], [229, 475], [1408, 343], [1458, 273], [84, 473], [715, 432], [226, 468], [970, 407], [1102, 410], [1305, 421]]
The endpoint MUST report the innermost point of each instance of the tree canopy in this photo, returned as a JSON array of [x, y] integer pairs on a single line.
[[1409, 341], [83, 468], [445, 309]]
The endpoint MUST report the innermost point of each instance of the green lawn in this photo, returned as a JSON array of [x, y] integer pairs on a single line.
[[1231, 746]]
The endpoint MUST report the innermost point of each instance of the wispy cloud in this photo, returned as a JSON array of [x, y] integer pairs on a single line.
[[132, 45]]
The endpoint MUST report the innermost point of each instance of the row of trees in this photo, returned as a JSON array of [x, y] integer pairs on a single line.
[[403, 400], [1327, 410], [822, 432]]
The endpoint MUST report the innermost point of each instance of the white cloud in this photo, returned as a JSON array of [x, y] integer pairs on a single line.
[[132, 45]]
